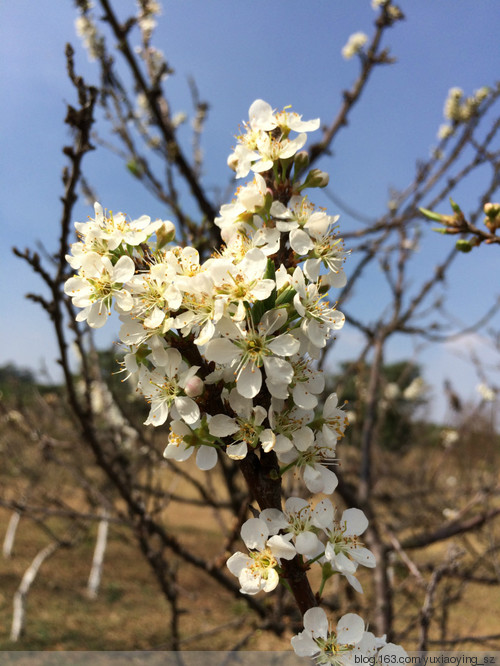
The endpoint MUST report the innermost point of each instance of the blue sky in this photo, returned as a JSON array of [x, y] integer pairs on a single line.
[[283, 52]]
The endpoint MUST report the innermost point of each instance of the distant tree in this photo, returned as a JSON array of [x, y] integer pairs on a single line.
[[403, 393], [16, 383]]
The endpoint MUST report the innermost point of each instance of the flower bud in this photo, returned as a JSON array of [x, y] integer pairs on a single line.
[[165, 234], [194, 387], [316, 178], [463, 245], [492, 210], [301, 161], [354, 45], [135, 168], [321, 178]]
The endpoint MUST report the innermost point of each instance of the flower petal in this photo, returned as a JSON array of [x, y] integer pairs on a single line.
[[350, 629], [255, 533], [316, 622], [206, 458], [221, 425]]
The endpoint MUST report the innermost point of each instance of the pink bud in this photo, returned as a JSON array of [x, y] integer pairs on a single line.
[[194, 387]]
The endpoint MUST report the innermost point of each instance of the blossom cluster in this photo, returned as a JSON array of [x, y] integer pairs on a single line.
[[459, 109], [225, 350]]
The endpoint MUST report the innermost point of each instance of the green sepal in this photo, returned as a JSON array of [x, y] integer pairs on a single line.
[[455, 206], [327, 570], [268, 200], [285, 297], [440, 230]]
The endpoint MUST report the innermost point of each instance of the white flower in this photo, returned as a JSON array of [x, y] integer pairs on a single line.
[[289, 425], [319, 241], [305, 385], [445, 131], [392, 391], [179, 449], [99, 283], [302, 521], [416, 389], [289, 120], [309, 455], [87, 30], [200, 314], [248, 351], [265, 239], [452, 105], [343, 550], [350, 644], [237, 285], [354, 45], [164, 388], [114, 230], [294, 215], [239, 215], [245, 428], [270, 150], [318, 318], [488, 394], [449, 437], [156, 295], [257, 149], [328, 647], [257, 570], [334, 420], [261, 116], [241, 160]]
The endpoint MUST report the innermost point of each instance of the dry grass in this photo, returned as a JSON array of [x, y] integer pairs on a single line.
[[130, 612]]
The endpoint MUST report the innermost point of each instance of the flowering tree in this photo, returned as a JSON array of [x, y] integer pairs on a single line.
[[224, 351], [226, 341]]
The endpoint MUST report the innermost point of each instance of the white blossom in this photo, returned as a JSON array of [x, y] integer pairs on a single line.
[[99, 283], [354, 45], [256, 570], [180, 448], [488, 394]]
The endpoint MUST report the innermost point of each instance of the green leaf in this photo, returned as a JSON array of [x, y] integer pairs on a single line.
[[431, 215], [135, 168]]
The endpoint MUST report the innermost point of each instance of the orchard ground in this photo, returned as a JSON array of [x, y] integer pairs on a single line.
[[130, 612]]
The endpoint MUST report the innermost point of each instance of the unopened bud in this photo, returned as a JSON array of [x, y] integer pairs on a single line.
[[194, 387], [165, 234], [492, 210], [482, 93], [463, 245], [135, 168], [395, 13], [316, 178], [301, 161]]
